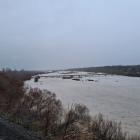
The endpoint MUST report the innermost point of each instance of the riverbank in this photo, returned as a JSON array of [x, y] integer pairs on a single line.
[[117, 97]]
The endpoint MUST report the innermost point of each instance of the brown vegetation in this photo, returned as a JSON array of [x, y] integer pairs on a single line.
[[41, 112], [11, 90]]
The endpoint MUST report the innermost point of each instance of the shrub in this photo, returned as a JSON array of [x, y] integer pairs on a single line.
[[39, 109], [75, 122], [107, 130], [11, 90]]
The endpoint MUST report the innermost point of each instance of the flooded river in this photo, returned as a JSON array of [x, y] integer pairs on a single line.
[[116, 97]]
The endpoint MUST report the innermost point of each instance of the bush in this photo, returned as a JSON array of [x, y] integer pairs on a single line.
[[11, 90], [107, 130], [39, 109], [76, 120]]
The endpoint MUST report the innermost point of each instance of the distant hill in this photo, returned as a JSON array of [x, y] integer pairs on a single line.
[[130, 70]]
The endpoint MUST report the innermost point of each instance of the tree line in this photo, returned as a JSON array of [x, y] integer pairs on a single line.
[[132, 70]]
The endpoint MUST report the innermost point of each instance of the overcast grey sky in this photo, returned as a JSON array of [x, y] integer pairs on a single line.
[[53, 34]]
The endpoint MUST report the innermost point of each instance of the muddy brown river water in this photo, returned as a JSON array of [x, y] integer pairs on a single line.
[[116, 97]]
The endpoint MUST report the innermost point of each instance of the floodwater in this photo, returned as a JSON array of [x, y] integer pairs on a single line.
[[116, 97]]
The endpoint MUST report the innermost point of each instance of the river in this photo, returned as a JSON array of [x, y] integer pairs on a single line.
[[116, 97]]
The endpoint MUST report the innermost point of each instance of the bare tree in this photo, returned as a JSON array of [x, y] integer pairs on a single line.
[[107, 130], [74, 117]]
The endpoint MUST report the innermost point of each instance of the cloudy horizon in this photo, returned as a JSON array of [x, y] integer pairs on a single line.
[[52, 34]]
